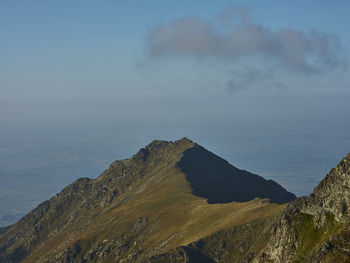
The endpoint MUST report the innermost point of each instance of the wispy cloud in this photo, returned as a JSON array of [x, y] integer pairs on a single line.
[[235, 36], [246, 78]]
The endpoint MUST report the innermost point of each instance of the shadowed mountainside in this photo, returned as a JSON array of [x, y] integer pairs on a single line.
[[218, 181]]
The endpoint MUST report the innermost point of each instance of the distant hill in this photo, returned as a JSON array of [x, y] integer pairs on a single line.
[[177, 202]]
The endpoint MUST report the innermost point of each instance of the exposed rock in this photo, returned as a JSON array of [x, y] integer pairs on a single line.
[[314, 228]]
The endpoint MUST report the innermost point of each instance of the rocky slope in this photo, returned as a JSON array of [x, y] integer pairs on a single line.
[[171, 202], [314, 228]]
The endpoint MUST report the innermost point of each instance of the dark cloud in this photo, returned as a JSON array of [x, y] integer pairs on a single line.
[[236, 36]]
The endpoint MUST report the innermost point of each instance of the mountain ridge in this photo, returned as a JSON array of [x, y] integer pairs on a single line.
[[151, 208], [148, 202]]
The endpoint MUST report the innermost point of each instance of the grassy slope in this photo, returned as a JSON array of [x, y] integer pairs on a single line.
[[186, 218], [177, 217]]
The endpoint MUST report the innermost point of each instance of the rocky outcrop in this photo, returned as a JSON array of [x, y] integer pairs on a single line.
[[314, 228]]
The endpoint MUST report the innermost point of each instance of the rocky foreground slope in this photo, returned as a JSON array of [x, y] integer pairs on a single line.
[[314, 228], [171, 202]]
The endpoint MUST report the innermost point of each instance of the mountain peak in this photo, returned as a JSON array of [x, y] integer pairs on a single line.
[[161, 148], [210, 176], [157, 144], [184, 140], [158, 199]]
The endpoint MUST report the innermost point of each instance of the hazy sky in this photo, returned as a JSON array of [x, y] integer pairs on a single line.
[[88, 49], [264, 84]]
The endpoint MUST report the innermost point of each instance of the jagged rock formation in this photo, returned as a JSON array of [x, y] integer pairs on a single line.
[[315, 228], [152, 207]]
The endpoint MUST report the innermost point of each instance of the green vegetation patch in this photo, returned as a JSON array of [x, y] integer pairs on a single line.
[[309, 236]]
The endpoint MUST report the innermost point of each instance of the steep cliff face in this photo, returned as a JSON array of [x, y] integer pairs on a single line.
[[314, 228], [145, 208]]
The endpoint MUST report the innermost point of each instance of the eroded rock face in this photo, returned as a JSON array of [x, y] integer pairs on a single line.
[[314, 228], [333, 192]]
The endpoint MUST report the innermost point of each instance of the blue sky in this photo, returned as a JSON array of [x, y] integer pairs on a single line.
[[69, 48], [264, 84]]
